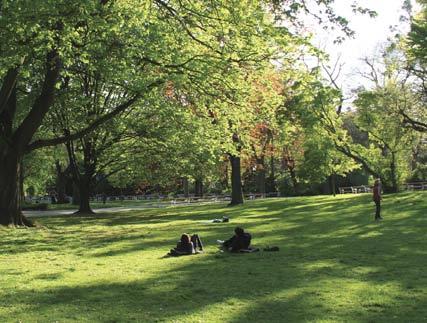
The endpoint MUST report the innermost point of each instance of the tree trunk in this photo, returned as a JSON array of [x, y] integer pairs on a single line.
[[15, 140], [76, 194], [11, 162], [332, 184], [294, 180], [272, 177], [10, 210], [393, 174], [198, 187], [260, 175], [21, 184], [236, 181], [260, 179], [84, 194], [185, 186]]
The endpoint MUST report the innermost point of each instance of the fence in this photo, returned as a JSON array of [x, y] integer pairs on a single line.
[[158, 198], [417, 186], [355, 189]]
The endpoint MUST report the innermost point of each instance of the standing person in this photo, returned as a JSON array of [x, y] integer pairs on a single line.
[[377, 199]]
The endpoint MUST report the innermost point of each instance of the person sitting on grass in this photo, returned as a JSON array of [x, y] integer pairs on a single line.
[[240, 241], [187, 245]]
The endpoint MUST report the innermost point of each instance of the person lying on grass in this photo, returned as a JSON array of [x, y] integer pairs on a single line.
[[187, 245], [240, 241]]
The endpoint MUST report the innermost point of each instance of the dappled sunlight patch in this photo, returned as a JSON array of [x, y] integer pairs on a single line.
[[370, 234]]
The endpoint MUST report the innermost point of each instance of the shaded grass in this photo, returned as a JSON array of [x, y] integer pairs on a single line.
[[335, 264]]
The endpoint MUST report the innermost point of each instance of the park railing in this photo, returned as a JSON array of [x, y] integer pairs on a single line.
[[416, 186], [355, 189], [211, 198]]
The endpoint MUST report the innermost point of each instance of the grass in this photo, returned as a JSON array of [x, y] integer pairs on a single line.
[[335, 264]]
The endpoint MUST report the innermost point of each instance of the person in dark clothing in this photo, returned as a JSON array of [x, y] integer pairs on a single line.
[[183, 247], [241, 240], [187, 245], [197, 242], [376, 196]]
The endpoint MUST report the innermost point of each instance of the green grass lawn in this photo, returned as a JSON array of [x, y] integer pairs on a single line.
[[335, 264]]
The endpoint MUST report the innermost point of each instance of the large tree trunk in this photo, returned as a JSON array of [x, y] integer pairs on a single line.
[[236, 181], [10, 210], [21, 184], [15, 140], [76, 194], [82, 179], [84, 192]]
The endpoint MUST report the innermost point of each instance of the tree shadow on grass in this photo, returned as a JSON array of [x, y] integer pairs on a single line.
[[337, 268], [234, 288]]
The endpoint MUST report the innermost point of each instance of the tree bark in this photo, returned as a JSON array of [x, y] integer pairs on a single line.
[[84, 192], [236, 181], [198, 187], [10, 210], [21, 184], [332, 184], [272, 177], [14, 143], [185, 186], [393, 174], [76, 194]]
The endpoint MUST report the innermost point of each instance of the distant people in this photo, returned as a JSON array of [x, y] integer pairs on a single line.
[[240, 241], [104, 198], [187, 245], [376, 195], [224, 219]]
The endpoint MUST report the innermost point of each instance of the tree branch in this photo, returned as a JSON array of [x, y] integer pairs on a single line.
[[79, 134]]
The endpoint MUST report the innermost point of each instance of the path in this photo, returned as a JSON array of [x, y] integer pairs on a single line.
[[112, 209], [100, 210]]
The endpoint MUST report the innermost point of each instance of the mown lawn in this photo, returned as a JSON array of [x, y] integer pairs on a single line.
[[335, 264]]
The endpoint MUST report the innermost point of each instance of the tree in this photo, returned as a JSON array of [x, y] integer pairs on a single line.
[[140, 45], [384, 151], [415, 46], [38, 39], [313, 126]]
